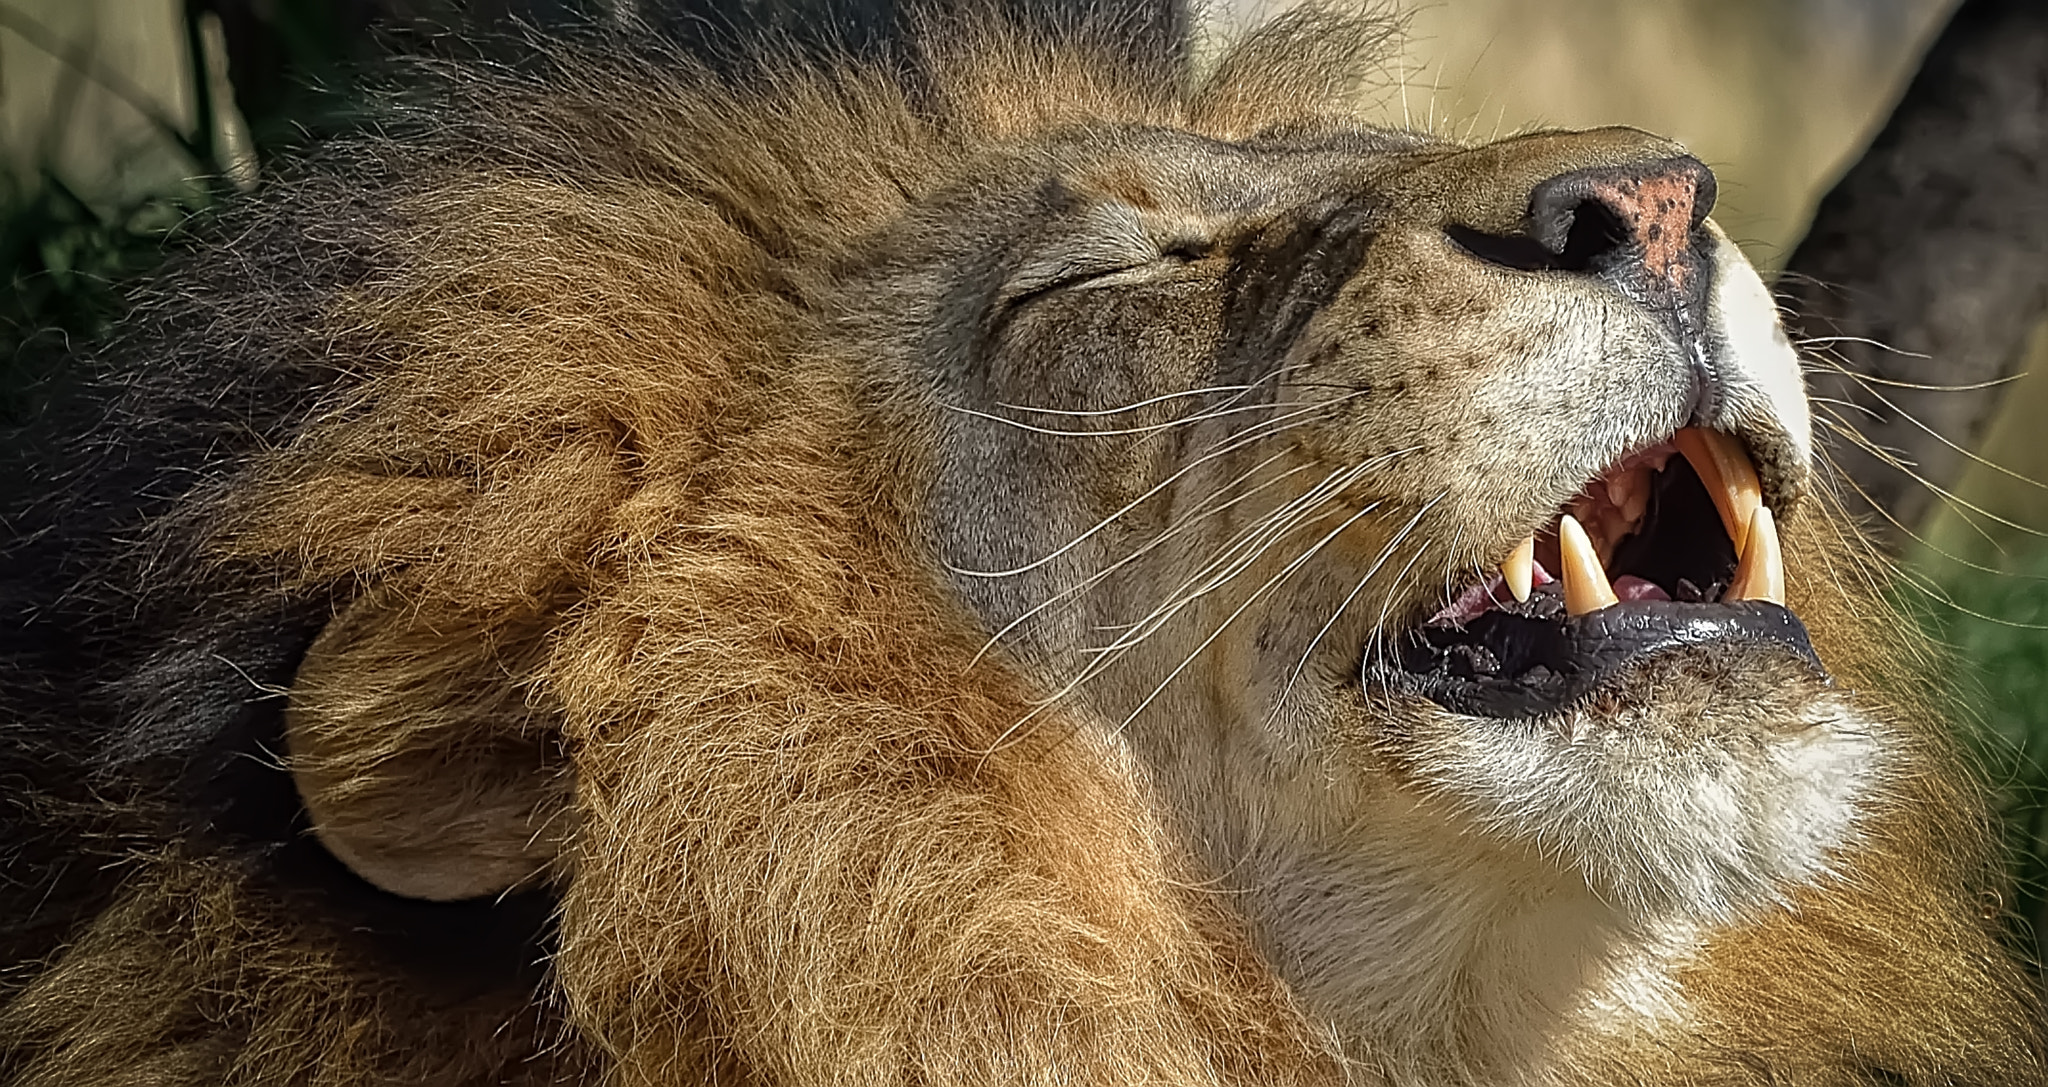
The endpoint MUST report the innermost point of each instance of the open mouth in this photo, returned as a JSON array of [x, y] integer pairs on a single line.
[[1669, 547]]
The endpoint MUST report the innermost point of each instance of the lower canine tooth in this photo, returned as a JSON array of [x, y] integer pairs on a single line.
[[1586, 588], [1761, 573], [1519, 570]]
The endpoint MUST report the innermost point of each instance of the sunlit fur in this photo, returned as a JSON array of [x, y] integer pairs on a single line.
[[641, 466]]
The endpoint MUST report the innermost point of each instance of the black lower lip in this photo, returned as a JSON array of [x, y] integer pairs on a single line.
[[1505, 665]]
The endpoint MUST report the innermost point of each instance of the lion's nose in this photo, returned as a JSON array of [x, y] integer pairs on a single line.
[[1633, 225], [1633, 220]]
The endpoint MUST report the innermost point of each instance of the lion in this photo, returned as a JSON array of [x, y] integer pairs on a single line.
[[1058, 569]]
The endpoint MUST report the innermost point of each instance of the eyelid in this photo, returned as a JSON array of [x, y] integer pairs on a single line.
[[1037, 276], [1107, 240]]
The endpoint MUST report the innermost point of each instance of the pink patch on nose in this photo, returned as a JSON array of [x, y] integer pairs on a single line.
[[1657, 213]]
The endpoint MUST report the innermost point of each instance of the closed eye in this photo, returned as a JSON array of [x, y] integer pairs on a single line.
[[1110, 244], [1104, 268], [1034, 283]]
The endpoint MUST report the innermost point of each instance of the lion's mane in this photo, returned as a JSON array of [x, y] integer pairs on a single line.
[[535, 365]]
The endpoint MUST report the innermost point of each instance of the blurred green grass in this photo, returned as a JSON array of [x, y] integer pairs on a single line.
[[69, 244], [64, 259], [1993, 618], [261, 80]]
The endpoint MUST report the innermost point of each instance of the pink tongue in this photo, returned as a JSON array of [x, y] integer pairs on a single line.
[[1476, 600], [1631, 587], [1479, 599]]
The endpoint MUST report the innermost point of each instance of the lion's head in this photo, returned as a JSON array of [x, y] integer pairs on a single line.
[[1411, 510], [1117, 514]]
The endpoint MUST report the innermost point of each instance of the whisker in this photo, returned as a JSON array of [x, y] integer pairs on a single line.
[[1255, 596], [1235, 556], [1244, 547], [1848, 371], [1849, 404], [1164, 535], [1377, 562], [1288, 516], [1898, 463], [1946, 495], [1231, 544], [1160, 399], [1834, 420], [977, 413], [1458, 540], [1830, 341], [1238, 553], [1095, 413], [1257, 432], [1253, 541], [1933, 590], [1108, 655], [1900, 570], [1149, 428], [1379, 626], [1943, 439]]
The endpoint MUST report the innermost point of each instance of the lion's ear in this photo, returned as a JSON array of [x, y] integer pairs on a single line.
[[422, 759]]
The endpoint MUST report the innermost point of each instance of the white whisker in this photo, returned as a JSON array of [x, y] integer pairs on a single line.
[[1231, 558], [1255, 596], [1830, 341], [1943, 439], [1825, 365], [1372, 571], [1149, 428], [1380, 625], [1908, 532], [1169, 532], [1235, 555], [1299, 509], [1261, 430], [1953, 500], [1240, 390]]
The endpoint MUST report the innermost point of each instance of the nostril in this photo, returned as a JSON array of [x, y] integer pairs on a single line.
[[1595, 232], [1634, 219], [1522, 253], [1648, 210]]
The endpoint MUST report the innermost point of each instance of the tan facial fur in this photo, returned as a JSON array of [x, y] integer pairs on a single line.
[[900, 572]]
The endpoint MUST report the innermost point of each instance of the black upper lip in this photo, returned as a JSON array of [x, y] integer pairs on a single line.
[[1528, 660]]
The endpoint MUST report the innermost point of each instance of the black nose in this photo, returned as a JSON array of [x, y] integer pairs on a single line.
[[1633, 224], [1641, 213]]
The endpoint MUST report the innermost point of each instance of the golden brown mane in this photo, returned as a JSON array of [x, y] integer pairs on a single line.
[[583, 392]]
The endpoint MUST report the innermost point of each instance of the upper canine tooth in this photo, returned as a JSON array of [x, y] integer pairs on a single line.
[[1586, 587], [1761, 573], [1519, 568], [1731, 481]]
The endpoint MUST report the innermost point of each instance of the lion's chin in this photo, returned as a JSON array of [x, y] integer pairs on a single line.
[[1697, 784]]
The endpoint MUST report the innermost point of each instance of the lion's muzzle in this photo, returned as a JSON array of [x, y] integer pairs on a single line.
[[1646, 561]]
